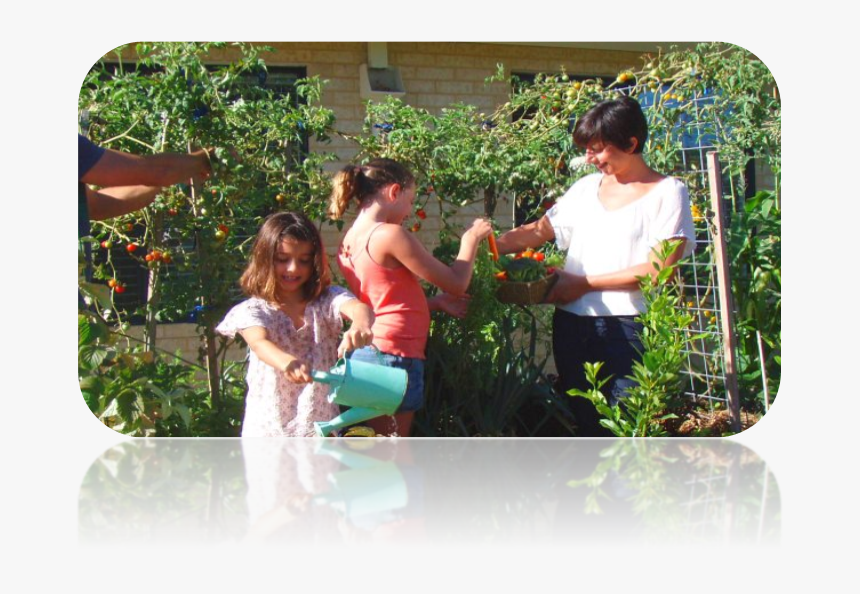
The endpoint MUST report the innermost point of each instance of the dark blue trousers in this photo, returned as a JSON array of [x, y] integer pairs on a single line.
[[580, 339]]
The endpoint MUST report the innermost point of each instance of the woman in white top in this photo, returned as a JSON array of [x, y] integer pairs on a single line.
[[610, 224]]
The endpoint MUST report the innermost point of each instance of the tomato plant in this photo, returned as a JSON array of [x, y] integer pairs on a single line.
[[164, 97]]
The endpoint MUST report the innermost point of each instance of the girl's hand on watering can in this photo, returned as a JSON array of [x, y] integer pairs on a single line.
[[298, 372], [356, 337]]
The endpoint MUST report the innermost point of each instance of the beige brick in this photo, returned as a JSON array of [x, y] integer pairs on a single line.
[[457, 61], [419, 86], [474, 74], [414, 59], [455, 87], [342, 84], [408, 73], [339, 57], [427, 100], [434, 73]]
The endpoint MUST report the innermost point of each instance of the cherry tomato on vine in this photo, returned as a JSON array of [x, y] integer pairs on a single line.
[[112, 283], [131, 247], [421, 214], [119, 289], [224, 229], [538, 256], [416, 227], [106, 244]]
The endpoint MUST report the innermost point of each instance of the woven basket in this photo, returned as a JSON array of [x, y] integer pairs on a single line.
[[526, 293]]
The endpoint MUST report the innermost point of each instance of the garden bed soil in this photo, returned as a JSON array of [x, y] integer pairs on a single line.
[[705, 423]]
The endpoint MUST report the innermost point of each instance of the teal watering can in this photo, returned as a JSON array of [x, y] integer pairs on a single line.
[[370, 390]]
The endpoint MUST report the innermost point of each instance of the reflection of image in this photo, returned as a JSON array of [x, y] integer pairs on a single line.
[[687, 491], [359, 490], [296, 492], [282, 477]]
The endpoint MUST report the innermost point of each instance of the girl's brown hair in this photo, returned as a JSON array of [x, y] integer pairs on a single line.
[[358, 182], [258, 280]]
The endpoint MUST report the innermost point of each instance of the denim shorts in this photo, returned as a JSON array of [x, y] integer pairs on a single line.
[[414, 398]]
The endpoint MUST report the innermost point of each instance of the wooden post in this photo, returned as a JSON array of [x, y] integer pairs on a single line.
[[150, 329], [725, 289]]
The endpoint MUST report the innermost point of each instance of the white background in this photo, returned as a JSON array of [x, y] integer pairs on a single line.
[[50, 439]]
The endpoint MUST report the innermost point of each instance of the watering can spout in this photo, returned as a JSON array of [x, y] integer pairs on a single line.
[[345, 419], [371, 390]]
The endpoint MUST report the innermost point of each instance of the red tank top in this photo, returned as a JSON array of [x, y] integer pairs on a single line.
[[394, 294]]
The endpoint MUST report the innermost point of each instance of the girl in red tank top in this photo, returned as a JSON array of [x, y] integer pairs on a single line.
[[383, 263]]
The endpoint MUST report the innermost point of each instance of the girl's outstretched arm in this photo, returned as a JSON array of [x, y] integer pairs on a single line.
[[401, 245], [296, 370], [359, 333]]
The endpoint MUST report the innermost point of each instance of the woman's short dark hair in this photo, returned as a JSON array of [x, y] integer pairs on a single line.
[[613, 122]]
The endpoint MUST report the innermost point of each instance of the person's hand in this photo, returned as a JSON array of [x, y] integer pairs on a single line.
[[356, 337], [298, 372], [211, 164], [569, 287], [452, 305], [480, 229]]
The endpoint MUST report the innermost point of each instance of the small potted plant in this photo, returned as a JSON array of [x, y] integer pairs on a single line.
[[527, 277]]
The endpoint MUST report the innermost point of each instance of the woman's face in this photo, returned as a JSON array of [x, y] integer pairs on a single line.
[[608, 158], [294, 264]]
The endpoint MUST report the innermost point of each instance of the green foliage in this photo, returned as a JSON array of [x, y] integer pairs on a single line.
[[483, 375], [754, 244], [522, 270], [656, 394], [143, 393]]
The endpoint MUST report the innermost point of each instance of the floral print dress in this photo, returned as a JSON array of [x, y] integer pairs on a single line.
[[275, 406]]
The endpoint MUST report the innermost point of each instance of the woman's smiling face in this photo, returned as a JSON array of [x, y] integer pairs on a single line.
[[608, 158]]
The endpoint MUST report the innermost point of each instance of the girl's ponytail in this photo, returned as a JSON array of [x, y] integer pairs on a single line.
[[360, 181], [345, 186]]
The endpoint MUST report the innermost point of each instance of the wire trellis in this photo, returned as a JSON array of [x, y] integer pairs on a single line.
[[709, 372]]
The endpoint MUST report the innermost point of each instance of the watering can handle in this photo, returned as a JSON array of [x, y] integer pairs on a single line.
[[326, 378], [379, 358]]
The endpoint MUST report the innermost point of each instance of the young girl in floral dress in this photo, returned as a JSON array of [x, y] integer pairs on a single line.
[[292, 322], [382, 263]]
